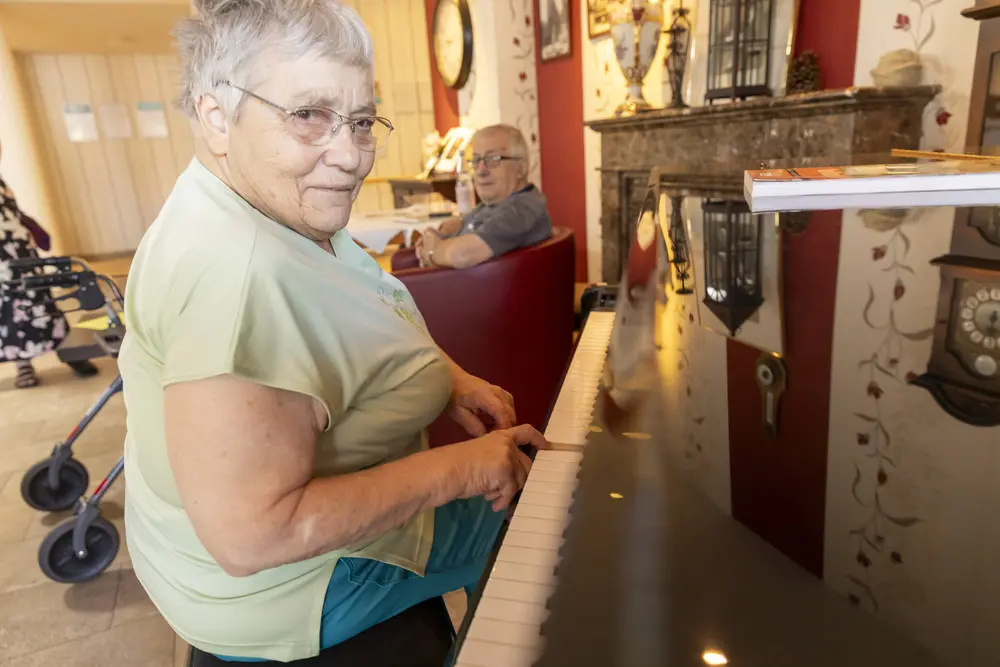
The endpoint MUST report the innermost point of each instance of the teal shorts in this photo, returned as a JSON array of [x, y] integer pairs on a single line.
[[363, 592]]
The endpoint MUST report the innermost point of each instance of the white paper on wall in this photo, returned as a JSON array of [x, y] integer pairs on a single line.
[[152, 120], [115, 122], [80, 122]]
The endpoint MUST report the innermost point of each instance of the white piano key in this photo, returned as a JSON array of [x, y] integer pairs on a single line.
[[529, 574], [513, 611], [549, 464], [519, 538], [518, 591], [542, 512], [529, 525], [552, 476], [561, 500], [564, 488], [525, 556], [505, 632], [479, 653], [555, 455]]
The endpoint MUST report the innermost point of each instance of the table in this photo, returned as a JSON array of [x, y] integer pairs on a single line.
[[375, 231]]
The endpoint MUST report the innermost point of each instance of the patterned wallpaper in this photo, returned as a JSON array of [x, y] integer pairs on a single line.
[[904, 497], [504, 63]]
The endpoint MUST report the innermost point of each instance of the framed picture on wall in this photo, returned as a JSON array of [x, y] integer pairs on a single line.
[[554, 19], [598, 18]]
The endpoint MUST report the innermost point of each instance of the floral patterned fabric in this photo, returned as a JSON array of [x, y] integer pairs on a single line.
[[30, 325]]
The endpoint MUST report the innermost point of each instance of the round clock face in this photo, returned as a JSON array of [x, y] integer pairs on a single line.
[[452, 41], [981, 318]]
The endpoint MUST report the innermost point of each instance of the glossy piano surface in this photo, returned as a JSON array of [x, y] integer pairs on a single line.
[[810, 475]]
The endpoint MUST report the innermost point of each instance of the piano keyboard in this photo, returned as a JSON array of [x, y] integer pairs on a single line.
[[571, 416], [506, 625]]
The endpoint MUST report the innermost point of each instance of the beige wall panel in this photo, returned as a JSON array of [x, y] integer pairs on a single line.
[[150, 90], [144, 176], [119, 164], [81, 215], [67, 234], [181, 139]]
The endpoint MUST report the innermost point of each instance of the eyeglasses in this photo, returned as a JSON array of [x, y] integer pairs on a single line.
[[317, 125], [490, 161]]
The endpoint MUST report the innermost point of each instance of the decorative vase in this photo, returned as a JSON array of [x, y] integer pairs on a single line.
[[898, 68], [635, 29]]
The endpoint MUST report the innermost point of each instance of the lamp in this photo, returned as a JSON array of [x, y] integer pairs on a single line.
[[732, 262], [677, 54], [680, 257], [739, 49]]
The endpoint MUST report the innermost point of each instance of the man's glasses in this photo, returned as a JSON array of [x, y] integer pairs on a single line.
[[317, 125], [491, 162]]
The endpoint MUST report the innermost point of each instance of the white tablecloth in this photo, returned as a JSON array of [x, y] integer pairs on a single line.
[[375, 231]]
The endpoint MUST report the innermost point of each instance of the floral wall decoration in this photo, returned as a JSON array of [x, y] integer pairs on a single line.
[[941, 44], [525, 88], [876, 534]]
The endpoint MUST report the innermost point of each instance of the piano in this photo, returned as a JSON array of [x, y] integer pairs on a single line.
[[613, 557]]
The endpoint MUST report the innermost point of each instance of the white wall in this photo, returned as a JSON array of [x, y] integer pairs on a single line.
[[502, 87], [946, 42]]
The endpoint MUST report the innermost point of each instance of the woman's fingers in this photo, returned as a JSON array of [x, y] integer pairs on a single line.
[[468, 420], [526, 434]]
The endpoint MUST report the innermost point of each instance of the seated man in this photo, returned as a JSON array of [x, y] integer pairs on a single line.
[[512, 212]]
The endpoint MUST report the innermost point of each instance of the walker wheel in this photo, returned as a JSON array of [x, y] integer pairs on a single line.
[[73, 482], [59, 563]]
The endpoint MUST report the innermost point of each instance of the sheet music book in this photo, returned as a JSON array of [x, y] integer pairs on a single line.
[[904, 185]]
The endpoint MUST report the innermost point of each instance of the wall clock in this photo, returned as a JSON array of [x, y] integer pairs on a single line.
[[453, 41], [963, 373]]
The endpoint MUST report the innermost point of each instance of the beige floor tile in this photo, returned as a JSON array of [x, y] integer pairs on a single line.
[[132, 602], [19, 566], [145, 643], [51, 614], [15, 518], [10, 490]]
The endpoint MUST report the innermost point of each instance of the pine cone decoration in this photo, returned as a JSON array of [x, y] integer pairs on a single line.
[[804, 74]]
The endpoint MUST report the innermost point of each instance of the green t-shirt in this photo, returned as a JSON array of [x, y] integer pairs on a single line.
[[218, 288]]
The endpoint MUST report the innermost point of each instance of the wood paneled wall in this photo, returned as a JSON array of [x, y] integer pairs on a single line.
[[403, 74], [108, 191]]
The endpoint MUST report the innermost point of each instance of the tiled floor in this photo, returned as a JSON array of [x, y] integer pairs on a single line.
[[108, 622]]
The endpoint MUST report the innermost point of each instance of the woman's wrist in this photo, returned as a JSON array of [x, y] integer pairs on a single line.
[[446, 470]]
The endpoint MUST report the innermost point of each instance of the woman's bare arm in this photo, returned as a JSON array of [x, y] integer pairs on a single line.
[[242, 455]]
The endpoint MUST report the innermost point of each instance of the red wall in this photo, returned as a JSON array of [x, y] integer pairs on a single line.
[[779, 486], [445, 98], [830, 29], [560, 129]]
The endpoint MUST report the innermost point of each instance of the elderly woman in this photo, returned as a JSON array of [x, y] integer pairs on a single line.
[[281, 497]]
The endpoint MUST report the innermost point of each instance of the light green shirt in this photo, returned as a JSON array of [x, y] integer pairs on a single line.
[[218, 288]]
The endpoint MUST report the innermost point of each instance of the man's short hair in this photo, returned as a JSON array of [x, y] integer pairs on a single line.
[[516, 145]]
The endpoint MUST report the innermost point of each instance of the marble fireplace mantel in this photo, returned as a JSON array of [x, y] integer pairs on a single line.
[[715, 144]]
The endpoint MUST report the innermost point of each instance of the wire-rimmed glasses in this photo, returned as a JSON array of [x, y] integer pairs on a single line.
[[315, 125]]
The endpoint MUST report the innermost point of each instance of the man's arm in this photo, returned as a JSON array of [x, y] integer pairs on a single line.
[[460, 252]]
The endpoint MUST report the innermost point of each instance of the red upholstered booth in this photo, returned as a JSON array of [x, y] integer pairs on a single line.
[[508, 321]]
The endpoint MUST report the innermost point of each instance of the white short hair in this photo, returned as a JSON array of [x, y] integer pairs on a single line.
[[516, 144], [224, 39]]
